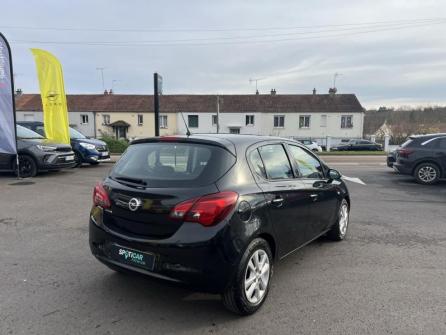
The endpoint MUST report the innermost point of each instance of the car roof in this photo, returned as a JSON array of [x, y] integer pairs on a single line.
[[427, 136], [228, 141]]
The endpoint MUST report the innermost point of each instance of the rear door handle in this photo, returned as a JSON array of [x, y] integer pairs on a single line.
[[278, 202], [314, 196]]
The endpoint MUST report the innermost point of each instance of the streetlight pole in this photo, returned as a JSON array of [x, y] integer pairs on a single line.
[[218, 113]]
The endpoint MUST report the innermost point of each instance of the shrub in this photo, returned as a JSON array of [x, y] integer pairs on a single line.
[[115, 146]]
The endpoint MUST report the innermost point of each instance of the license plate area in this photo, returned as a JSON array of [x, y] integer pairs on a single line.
[[132, 257]]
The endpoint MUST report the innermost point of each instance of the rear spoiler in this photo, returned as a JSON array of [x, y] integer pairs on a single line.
[[182, 139]]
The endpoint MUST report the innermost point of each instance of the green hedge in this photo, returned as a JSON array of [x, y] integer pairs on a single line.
[[115, 146]]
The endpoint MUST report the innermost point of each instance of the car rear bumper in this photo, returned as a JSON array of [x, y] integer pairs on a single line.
[[200, 266], [402, 168]]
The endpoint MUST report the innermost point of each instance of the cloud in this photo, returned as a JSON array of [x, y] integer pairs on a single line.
[[394, 62]]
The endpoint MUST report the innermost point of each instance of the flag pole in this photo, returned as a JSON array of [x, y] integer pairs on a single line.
[[13, 102]]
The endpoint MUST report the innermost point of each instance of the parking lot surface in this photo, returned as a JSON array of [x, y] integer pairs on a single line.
[[388, 277]]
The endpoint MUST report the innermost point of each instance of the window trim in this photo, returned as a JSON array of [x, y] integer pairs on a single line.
[[247, 116], [257, 146], [309, 121], [198, 121], [167, 121], [212, 119], [82, 119], [280, 116], [142, 119], [324, 117], [351, 122]]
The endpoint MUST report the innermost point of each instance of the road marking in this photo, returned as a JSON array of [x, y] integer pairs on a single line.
[[354, 180]]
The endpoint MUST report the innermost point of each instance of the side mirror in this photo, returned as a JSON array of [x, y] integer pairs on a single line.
[[334, 174]]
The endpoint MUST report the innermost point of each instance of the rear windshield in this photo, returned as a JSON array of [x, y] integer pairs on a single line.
[[407, 143], [173, 164]]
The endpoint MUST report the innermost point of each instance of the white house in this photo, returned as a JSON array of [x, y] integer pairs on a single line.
[[315, 116]]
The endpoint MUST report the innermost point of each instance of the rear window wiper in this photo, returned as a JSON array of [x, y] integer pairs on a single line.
[[131, 180]]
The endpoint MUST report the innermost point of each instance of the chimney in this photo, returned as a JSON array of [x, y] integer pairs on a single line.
[[273, 91], [18, 92], [314, 91], [332, 91], [110, 92], [105, 92], [257, 92]]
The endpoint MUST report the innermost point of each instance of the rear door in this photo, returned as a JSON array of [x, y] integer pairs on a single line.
[[322, 193], [287, 201]]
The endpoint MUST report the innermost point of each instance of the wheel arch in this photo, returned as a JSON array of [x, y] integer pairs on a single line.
[[271, 242], [429, 161]]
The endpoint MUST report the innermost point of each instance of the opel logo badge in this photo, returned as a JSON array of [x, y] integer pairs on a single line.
[[52, 96], [134, 204]]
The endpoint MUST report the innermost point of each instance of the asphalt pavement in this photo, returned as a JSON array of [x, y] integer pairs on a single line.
[[387, 277]]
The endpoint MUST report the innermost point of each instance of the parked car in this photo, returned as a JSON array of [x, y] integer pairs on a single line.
[[313, 146], [215, 212], [86, 150], [358, 145], [391, 158], [36, 154], [423, 157]]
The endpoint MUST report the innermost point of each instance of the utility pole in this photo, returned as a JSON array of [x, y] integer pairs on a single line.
[[101, 69], [218, 113], [158, 89]]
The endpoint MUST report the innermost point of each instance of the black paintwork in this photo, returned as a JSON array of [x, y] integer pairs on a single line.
[[424, 149], [205, 258]]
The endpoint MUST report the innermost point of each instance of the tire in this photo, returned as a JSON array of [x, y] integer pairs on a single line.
[[235, 297], [338, 231], [427, 173], [94, 163], [27, 165], [77, 159]]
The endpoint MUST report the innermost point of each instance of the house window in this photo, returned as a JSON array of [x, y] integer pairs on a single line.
[[163, 121], [214, 119], [140, 119], [304, 121], [192, 121], [105, 119], [249, 120], [234, 130], [279, 121], [323, 120], [28, 117], [84, 119], [346, 121]]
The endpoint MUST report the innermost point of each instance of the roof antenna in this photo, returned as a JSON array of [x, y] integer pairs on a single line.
[[188, 133]]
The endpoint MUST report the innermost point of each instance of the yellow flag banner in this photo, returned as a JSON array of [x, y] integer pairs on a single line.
[[54, 101]]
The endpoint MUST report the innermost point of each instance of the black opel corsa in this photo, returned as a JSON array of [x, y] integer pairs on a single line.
[[215, 212]]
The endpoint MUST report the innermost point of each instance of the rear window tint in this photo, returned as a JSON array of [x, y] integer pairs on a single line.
[[407, 143], [257, 164], [174, 164]]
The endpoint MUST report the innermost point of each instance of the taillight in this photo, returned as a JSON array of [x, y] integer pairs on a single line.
[[100, 196], [207, 210], [404, 152]]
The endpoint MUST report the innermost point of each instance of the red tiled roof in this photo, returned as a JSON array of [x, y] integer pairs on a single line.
[[263, 103]]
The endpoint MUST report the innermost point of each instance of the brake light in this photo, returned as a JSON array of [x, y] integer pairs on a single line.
[[207, 210], [100, 196], [405, 152]]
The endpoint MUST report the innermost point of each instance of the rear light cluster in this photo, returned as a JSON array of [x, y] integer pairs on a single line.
[[100, 196], [404, 152], [207, 210]]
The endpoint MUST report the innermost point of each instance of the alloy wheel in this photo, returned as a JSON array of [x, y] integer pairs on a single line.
[[257, 277], [343, 219], [427, 174]]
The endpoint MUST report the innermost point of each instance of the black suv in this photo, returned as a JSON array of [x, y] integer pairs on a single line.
[[424, 157], [36, 153], [215, 211]]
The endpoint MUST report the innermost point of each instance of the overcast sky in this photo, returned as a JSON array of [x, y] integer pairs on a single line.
[[389, 52]]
